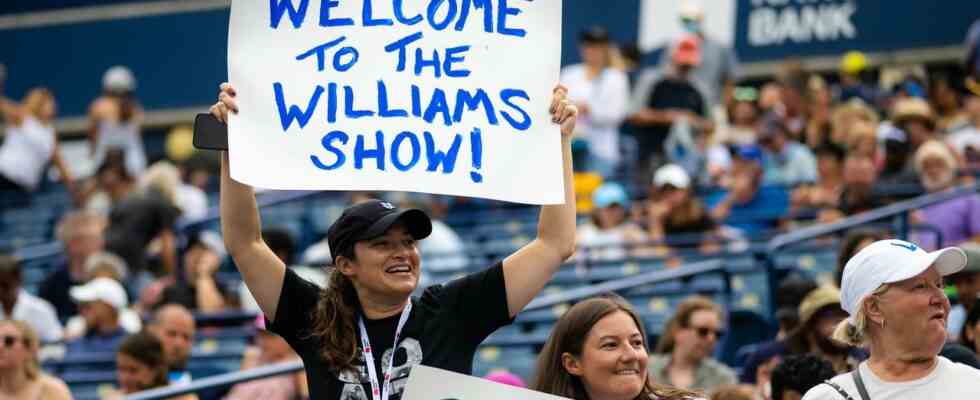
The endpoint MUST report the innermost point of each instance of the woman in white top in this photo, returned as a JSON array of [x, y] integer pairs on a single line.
[[893, 292], [30, 143], [609, 235], [115, 119], [601, 93]]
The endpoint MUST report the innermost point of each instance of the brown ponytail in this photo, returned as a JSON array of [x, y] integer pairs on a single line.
[[333, 323]]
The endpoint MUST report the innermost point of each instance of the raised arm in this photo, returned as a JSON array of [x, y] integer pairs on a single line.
[[530, 268], [262, 271]]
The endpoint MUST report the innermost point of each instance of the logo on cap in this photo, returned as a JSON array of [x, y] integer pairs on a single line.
[[905, 245], [387, 205]]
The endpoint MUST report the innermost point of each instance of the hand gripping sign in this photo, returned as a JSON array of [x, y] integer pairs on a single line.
[[437, 96]]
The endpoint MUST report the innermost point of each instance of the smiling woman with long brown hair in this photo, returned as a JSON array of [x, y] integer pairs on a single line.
[[598, 351]]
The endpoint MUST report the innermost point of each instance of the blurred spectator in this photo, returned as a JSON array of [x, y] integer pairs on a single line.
[[785, 161], [144, 216], [958, 219], [853, 243], [174, 326], [747, 205], [672, 208], [114, 121], [601, 93], [140, 365], [506, 378], [20, 371], [192, 200], [966, 139], [443, 250], [851, 71], [733, 392], [110, 185], [820, 312], [101, 301], [858, 194], [862, 139], [107, 266], [197, 288], [792, 80], [282, 244], [897, 167], [30, 142], [949, 107], [744, 112], [795, 375], [771, 98], [663, 98], [270, 349], [820, 103], [17, 304], [683, 355], [789, 294], [967, 283], [609, 235], [970, 334], [80, 233], [915, 117], [843, 119], [718, 68], [830, 181]]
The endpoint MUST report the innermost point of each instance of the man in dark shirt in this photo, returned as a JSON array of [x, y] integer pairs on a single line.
[[663, 98], [135, 222], [81, 235], [196, 288]]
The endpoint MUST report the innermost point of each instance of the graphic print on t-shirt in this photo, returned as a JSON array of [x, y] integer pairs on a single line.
[[356, 387]]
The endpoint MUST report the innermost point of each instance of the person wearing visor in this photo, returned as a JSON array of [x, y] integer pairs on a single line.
[[360, 338], [893, 294]]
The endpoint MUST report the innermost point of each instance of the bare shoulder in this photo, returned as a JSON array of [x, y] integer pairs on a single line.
[[54, 388]]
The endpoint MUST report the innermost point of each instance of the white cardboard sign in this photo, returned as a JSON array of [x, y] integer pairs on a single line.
[[427, 383], [436, 96]]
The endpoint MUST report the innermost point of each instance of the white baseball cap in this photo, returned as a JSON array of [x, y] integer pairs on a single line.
[[890, 261], [672, 174], [102, 289], [118, 79]]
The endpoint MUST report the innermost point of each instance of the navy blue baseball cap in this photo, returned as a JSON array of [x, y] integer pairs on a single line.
[[370, 219]]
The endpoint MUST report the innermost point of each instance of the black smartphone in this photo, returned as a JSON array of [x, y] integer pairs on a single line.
[[209, 133]]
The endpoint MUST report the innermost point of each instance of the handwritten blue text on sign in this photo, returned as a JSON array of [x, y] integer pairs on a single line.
[[441, 96]]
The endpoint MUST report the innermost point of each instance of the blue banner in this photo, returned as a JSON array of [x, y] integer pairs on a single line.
[[767, 30]]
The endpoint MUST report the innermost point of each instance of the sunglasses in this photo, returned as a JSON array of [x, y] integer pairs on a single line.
[[10, 341], [703, 332]]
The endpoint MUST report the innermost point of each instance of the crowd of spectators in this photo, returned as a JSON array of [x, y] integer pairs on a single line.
[[678, 156]]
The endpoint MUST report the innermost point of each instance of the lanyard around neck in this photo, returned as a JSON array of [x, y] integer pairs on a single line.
[[379, 392]]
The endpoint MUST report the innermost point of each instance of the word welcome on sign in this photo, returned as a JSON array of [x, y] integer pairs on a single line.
[[438, 96]]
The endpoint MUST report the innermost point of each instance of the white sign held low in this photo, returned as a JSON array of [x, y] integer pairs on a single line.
[[436, 96], [427, 383]]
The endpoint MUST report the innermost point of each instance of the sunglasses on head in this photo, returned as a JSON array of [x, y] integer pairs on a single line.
[[9, 340], [703, 332]]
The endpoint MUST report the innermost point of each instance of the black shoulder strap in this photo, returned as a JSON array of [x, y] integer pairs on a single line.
[[863, 391], [839, 390]]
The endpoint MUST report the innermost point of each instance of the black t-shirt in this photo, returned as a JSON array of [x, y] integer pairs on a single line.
[[185, 294], [55, 289], [446, 325], [667, 94], [136, 221]]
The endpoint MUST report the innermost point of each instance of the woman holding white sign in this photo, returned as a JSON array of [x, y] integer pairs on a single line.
[[359, 338]]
